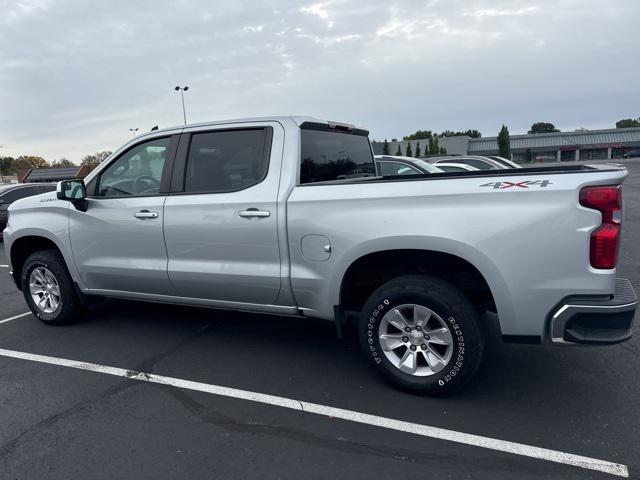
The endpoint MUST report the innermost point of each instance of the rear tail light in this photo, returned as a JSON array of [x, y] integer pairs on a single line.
[[605, 239]]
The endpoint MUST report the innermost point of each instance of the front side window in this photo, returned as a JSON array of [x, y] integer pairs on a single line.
[[329, 155], [227, 160], [396, 168], [18, 193], [137, 172]]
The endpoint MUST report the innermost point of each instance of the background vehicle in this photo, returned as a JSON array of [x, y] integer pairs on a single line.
[[632, 154], [456, 167], [13, 192], [251, 215], [387, 165], [481, 163], [505, 161]]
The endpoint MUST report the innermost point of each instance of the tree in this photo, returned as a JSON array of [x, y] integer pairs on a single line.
[[7, 166], [468, 133], [628, 123], [434, 148], [398, 152], [409, 151], [443, 151], [95, 159], [385, 147], [543, 127], [418, 150], [25, 162], [419, 135], [63, 162], [504, 142]]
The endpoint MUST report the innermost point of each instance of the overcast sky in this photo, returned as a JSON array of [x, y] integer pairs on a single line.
[[75, 75]]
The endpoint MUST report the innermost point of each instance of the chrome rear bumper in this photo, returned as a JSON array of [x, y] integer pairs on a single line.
[[596, 321]]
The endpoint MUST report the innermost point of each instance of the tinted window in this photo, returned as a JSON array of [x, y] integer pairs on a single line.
[[226, 161], [328, 155], [18, 193], [137, 172], [479, 164], [386, 168], [448, 168]]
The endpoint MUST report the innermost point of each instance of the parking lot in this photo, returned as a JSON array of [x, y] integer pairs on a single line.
[[65, 420]]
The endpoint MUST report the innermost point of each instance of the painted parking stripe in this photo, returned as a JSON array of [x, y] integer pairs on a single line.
[[349, 415], [14, 317]]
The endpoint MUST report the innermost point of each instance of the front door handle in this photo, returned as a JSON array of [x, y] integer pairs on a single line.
[[145, 214], [254, 213]]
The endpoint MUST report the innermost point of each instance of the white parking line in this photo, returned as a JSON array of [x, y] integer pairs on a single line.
[[14, 317], [350, 415]]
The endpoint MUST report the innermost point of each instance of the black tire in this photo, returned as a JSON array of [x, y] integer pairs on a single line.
[[69, 307], [453, 309]]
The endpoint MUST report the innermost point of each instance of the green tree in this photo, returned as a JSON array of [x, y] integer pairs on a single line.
[[543, 127], [63, 162], [628, 123], [443, 151], [7, 166], [95, 159], [418, 153], [434, 148], [25, 162], [398, 152], [419, 135], [468, 133], [385, 147], [504, 142], [409, 152]]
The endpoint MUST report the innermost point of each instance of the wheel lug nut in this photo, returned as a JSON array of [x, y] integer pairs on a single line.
[[405, 339], [407, 329], [418, 328], [423, 346], [413, 348]]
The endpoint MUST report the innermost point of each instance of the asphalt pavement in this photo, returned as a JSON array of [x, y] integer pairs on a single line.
[[64, 423]]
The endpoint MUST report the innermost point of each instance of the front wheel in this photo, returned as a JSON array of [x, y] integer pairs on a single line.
[[48, 288], [422, 334]]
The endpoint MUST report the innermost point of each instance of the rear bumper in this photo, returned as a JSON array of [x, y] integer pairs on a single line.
[[595, 321]]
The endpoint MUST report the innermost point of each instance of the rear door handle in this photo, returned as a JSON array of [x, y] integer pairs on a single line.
[[254, 213], [145, 214]]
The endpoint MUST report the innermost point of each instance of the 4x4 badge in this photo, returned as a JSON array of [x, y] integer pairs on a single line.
[[523, 184]]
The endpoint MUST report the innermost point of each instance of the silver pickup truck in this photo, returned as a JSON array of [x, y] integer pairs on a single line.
[[286, 215]]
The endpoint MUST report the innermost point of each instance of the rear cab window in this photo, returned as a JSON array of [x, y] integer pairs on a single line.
[[338, 153]]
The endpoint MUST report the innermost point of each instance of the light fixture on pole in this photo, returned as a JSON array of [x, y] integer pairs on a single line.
[[134, 130], [182, 90]]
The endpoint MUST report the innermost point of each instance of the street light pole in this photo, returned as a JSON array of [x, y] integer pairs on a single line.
[[182, 90]]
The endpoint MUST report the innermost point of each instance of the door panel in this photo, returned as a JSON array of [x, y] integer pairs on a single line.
[[114, 250], [224, 246]]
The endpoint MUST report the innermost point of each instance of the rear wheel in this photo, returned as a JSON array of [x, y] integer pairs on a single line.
[[422, 334], [48, 288]]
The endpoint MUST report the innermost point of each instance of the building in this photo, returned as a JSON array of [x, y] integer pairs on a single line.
[[54, 174], [541, 147]]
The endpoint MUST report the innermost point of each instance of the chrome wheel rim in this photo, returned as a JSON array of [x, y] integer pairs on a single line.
[[415, 339], [44, 290]]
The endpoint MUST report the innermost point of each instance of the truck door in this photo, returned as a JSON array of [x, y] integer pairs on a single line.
[[220, 222], [118, 243]]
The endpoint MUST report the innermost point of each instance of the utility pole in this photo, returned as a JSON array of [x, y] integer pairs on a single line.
[[182, 90]]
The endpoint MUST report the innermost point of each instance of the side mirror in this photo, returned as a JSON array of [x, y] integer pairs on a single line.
[[73, 191]]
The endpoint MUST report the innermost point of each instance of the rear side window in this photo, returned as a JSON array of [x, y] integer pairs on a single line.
[[396, 168], [227, 160], [329, 155], [479, 164]]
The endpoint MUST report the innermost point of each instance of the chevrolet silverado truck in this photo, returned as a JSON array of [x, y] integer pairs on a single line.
[[267, 215]]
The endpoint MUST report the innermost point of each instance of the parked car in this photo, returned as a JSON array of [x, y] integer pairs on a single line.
[[250, 215], [505, 161], [632, 154], [481, 163], [456, 167], [11, 193], [388, 165]]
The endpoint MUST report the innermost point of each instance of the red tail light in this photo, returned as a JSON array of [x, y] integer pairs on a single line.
[[606, 238]]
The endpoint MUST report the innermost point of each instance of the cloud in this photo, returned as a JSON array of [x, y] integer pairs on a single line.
[[76, 75]]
